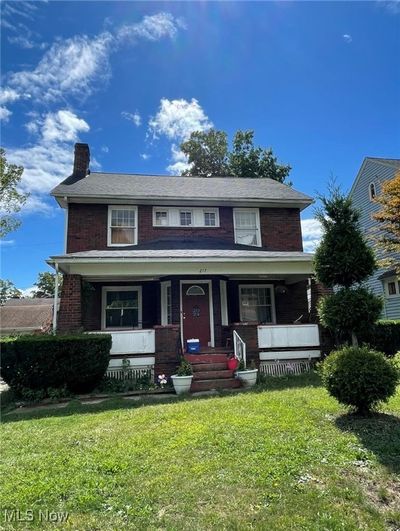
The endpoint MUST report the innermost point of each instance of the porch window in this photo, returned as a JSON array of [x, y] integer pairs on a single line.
[[122, 307], [122, 225], [185, 217], [247, 226], [257, 304]]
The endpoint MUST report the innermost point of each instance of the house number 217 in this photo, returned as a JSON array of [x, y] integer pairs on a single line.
[[204, 270]]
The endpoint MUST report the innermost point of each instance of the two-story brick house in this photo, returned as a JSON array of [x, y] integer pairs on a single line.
[[157, 260]]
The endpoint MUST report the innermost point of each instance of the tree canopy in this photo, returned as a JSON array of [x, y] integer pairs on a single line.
[[11, 199], [8, 291], [209, 156], [389, 218], [45, 285]]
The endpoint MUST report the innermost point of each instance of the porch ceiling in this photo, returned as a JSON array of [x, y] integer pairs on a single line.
[[185, 262]]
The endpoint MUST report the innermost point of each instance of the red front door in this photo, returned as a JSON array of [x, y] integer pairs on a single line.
[[196, 313]]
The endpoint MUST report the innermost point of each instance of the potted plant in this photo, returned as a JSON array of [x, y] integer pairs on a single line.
[[182, 380], [248, 376]]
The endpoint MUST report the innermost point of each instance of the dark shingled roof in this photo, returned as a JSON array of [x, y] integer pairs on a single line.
[[391, 162], [26, 314], [165, 187]]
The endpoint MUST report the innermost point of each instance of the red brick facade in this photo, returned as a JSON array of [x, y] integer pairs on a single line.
[[70, 312], [87, 228]]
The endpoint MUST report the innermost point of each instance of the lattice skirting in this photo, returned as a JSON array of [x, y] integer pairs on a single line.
[[284, 368], [130, 374]]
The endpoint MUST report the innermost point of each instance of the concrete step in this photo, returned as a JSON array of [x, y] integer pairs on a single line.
[[212, 375], [209, 367], [205, 358], [223, 383]]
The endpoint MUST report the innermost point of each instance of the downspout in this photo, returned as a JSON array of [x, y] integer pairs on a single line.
[[55, 306]]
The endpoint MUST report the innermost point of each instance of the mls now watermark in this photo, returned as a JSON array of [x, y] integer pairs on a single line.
[[39, 515]]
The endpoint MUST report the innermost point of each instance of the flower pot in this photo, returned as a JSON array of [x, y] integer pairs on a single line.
[[232, 364], [181, 383], [248, 378]]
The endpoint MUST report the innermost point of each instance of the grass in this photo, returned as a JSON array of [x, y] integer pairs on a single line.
[[286, 457]]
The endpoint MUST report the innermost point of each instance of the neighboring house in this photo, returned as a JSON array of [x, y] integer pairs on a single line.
[[26, 316], [156, 260], [367, 185]]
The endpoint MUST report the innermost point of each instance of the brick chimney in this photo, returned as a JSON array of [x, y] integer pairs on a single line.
[[81, 160]]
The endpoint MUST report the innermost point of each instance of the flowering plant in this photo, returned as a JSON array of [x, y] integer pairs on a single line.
[[162, 380]]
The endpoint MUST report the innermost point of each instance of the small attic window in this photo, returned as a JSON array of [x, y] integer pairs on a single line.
[[195, 290], [372, 191]]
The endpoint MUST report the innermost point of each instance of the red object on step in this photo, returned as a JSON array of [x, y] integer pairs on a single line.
[[233, 364]]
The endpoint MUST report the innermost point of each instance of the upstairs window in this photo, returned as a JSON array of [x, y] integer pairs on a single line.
[[372, 191], [210, 219], [185, 217], [161, 218], [392, 287], [247, 226], [122, 225]]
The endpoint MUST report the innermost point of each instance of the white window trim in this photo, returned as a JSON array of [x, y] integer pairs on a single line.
[[191, 217], [164, 310], [258, 229], [155, 210], [386, 285], [369, 191], [271, 286], [198, 219], [224, 303], [120, 207], [104, 291]]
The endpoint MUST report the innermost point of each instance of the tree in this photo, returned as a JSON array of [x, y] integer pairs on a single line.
[[11, 200], [8, 291], [207, 153], [342, 261], [389, 218], [209, 156], [45, 285]]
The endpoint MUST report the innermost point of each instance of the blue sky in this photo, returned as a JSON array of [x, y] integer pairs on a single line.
[[317, 81]]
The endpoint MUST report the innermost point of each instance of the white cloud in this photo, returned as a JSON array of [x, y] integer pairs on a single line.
[[151, 28], [144, 156], [347, 38], [5, 114], [26, 42], [8, 95], [312, 232], [6, 242], [50, 159], [28, 292], [391, 6], [105, 149], [79, 65], [175, 120], [133, 117]]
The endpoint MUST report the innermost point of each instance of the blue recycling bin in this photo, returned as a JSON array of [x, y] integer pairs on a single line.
[[193, 345]]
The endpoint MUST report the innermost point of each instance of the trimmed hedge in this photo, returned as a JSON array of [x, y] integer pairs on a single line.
[[38, 362], [360, 377], [383, 336]]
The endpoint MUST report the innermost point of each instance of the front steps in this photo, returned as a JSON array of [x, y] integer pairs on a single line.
[[210, 371]]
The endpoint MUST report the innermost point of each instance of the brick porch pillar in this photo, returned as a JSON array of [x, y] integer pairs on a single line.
[[70, 312]]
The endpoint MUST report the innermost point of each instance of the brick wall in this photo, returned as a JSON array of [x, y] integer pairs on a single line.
[[87, 228], [281, 229], [70, 312], [167, 354]]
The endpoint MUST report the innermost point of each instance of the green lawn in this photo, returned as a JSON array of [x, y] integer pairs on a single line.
[[283, 458]]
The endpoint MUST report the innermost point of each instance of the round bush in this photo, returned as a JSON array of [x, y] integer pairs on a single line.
[[359, 377], [39, 362]]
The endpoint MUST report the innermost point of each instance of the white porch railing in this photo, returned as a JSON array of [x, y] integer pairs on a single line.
[[239, 347], [132, 341]]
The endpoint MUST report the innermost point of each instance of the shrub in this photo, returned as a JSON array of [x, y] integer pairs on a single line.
[[349, 310], [383, 336], [41, 362], [359, 377]]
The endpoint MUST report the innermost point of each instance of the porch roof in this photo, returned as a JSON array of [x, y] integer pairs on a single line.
[[184, 261]]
